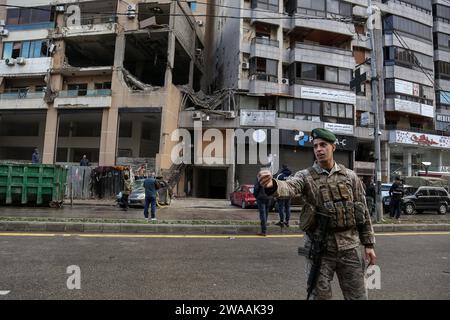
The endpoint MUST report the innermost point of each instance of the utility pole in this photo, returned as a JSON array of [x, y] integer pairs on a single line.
[[374, 22]]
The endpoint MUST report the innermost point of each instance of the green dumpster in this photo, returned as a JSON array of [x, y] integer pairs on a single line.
[[32, 184]]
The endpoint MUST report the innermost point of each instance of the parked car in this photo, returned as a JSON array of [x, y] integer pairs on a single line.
[[243, 196], [427, 198], [137, 195]]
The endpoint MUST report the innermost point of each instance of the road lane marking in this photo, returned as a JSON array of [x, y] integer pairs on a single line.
[[4, 292], [193, 236]]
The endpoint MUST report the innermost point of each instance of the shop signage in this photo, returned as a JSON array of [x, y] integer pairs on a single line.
[[339, 128], [328, 95], [304, 139], [258, 118], [443, 118], [419, 139]]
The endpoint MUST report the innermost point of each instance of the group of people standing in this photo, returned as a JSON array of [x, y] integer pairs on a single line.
[[265, 202]]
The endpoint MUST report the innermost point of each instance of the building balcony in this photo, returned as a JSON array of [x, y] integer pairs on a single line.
[[338, 27], [263, 83], [409, 107], [22, 100], [323, 55], [441, 25], [92, 26], [265, 16], [322, 94], [265, 48], [31, 67], [84, 99]]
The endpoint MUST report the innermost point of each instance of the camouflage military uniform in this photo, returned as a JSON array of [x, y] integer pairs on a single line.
[[340, 194]]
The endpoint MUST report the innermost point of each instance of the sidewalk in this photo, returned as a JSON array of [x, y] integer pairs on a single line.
[[183, 216]]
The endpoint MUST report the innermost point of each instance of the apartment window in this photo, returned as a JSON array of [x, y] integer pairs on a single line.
[[441, 40], [77, 89], [299, 109], [441, 12], [263, 66], [331, 74], [407, 58], [408, 26], [308, 71], [25, 49], [270, 5], [338, 110], [103, 86], [23, 16], [339, 7]]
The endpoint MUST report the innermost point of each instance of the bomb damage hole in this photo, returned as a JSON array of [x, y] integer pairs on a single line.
[[95, 51]]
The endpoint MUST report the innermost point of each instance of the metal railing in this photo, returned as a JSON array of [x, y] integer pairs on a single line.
[[98, 20], [264, 41], [418, 130], [84, 93], [22, 95]]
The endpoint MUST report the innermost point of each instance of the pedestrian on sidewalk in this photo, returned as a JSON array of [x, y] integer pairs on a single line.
[[84, 162], [283, 203], [35, 158], [263, 202], [126, 192], [396, 193], [150, 186]]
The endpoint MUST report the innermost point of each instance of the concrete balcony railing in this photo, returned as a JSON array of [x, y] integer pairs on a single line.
[[22, 100], [324, 25], [31, 67], [324, 55], [92, 26], [264, 83], [265, 48], [84, 99]]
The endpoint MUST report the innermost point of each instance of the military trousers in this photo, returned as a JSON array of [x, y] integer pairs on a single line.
[[350, 270]]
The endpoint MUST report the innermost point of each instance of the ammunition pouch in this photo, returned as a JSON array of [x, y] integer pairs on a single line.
[[307, 217]]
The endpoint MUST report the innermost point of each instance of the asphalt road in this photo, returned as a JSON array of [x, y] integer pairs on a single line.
[[34, 267]]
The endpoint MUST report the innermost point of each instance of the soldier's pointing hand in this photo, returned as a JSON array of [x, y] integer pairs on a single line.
[[265, 179]]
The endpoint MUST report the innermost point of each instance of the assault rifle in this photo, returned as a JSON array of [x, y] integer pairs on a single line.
[[317, 250]]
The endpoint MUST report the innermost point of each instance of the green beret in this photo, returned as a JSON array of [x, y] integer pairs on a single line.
[[324, 134]]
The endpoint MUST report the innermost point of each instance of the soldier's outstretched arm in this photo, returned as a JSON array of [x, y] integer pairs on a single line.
[[288, 188]]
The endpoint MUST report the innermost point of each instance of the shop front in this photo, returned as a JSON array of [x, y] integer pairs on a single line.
[[412, 152]]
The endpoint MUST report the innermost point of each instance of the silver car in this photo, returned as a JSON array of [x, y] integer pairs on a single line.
[[137, 196]]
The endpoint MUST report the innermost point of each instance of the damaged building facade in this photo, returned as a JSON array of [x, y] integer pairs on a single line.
[[96, 78]]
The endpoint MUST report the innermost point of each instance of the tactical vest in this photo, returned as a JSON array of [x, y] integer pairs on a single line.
[[336, 200]]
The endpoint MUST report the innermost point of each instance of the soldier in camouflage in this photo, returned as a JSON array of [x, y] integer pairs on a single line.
[[331, 189]]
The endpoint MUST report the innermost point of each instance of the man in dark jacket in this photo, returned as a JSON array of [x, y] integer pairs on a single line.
[[396, 193], [284, 204], [263, 202], [150, 186]]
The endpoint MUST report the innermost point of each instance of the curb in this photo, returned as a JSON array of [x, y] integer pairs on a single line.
[[74, 227]]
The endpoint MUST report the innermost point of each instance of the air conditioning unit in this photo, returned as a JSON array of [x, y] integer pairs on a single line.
[[2, 23], [21, 61], [131, 11], [198, 51], [245, 66], [285, 81], [230, 114], [199, 23], [197, 115], [10, 61], [4, 33], [60, 8]]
